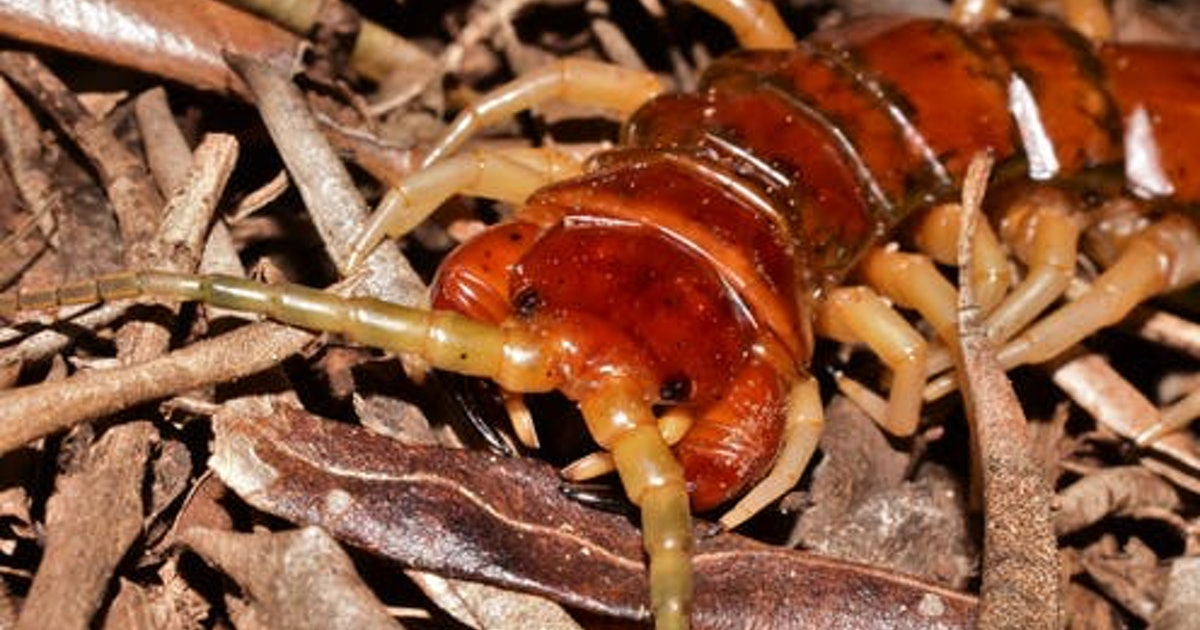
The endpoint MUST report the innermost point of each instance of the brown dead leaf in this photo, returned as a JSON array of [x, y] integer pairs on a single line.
[[182, 41], [1181, 603], [1087, 610], [170, 605], [491, 608], [865, 510], [298, 579], [1129, 574], [1118, 491], [504, 521]]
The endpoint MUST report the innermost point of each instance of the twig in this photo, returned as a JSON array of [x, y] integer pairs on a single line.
[[378, 52], [167, 152], [180, 239], [1020, 585], [1167, 330], [1115, 404], [36, 411], [337, 209], [130, 189], [21, 140], [92, 519]]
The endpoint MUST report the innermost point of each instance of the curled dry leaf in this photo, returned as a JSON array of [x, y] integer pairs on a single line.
[[1121, 491], [863, 508], [298, 579], [1181, 603], [504, 521], [183, 41]]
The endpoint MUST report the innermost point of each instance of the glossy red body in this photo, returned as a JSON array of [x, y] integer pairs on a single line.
[[694, 251]]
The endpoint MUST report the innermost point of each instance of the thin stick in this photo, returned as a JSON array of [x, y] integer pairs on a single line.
[[337, 209], [33, 412], [1020, 587]]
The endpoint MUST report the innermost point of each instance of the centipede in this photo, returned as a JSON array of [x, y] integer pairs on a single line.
[[672, 286]]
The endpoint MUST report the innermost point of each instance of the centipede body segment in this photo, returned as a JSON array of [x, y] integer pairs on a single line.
[[690, 268]]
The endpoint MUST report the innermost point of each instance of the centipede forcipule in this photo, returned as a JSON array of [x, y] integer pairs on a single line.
[[672, 286]]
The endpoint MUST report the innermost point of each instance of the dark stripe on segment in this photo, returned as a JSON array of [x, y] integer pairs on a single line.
[[947, 95], [819, 192], [1068, 120]]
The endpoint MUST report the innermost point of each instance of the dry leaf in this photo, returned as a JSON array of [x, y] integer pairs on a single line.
[[504, 521], [489, 608], [182, 41], [298, 579]]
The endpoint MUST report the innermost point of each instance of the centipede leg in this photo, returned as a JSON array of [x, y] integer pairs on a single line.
[[571, 80], [936, 234], [1040, 229], [1093, 18], [912, 281], [521, 419], [672, 425], [805, 421], [506, 175], [755, 23], [623, 424], [859, 314], [1162, 256]]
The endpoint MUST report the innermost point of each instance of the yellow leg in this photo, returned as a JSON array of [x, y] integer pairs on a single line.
[[621, 422], [755, 23], [1043, 233], [673, 425], [572, 80], [1161, 257], [805, 420], [912, 281], [508, 175], [521, 420], [858, 314], [1090, 17], [936, 235]]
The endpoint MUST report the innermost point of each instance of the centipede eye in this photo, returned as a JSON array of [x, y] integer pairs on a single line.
[[676, 389], [526, 301]]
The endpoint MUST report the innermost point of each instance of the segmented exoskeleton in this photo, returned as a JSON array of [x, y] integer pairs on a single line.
[[688, 269]]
